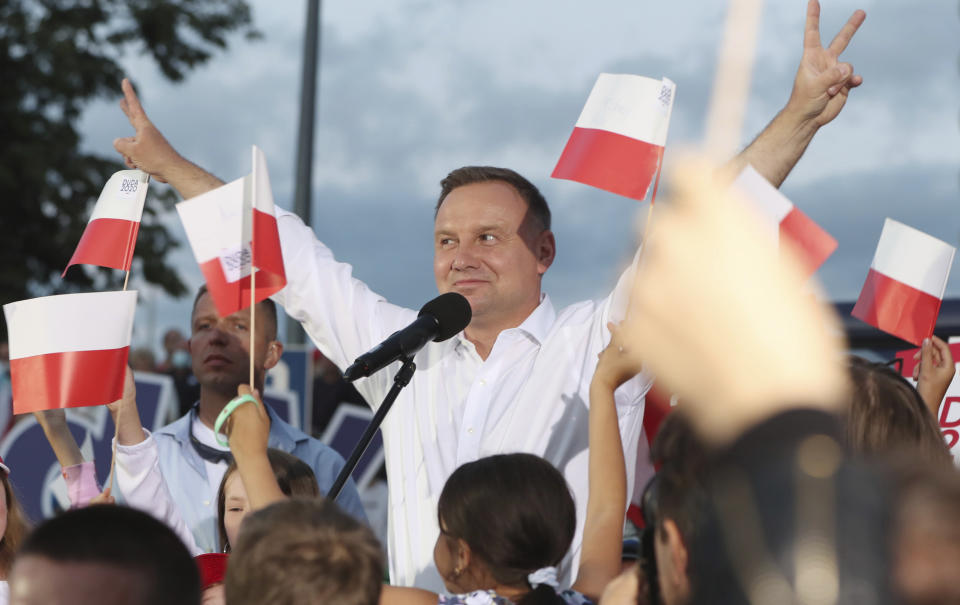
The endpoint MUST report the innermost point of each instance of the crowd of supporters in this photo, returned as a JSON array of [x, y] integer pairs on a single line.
[[787, 472]]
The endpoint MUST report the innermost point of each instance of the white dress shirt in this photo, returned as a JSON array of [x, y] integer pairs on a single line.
[[529, 395]]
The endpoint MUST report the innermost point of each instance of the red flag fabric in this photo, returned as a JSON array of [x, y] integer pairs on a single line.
[[69, 350], [233, 231], [213, 568], [111, 233], [617, 143], [791, 224], [906, 282]]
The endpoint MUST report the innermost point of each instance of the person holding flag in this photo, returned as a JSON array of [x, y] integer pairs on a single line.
[[517, 378], [191, 461]]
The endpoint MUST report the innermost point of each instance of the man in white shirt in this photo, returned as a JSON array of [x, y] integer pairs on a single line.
[[517, 378]]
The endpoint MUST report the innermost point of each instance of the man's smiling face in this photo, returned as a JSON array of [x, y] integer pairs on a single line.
[[488, 247]]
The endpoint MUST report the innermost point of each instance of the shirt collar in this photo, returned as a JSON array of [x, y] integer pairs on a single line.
[[282, 435], [537, 325]]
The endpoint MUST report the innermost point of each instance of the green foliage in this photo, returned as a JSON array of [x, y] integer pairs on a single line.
[[55, 57]]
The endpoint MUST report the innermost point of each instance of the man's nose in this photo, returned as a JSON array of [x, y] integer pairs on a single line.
[[219, 336], [465, 258]]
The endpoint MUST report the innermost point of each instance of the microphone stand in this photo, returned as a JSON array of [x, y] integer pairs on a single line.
[[401, 380]]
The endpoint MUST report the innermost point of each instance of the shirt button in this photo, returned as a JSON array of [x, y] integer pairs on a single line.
[[483, 382], [206, 503], [470, 430]]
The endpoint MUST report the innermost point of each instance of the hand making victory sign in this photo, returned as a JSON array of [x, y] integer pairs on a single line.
[[149, 151], [823, 81], [819, 92]]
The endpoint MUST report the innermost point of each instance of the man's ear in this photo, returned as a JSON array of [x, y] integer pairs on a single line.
[[274, 351], [546, 250]]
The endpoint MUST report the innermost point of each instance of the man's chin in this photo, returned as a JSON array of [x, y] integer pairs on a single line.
[[221, 383]]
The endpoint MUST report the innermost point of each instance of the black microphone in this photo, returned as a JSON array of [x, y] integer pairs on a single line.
[[438, 320]]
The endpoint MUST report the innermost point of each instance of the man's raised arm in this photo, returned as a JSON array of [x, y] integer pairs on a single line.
[[149, 151], [819, 93]]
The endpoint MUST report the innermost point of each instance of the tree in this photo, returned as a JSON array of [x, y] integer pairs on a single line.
[[55, 57]]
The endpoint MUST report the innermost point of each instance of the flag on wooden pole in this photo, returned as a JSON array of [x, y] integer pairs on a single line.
[[617, 143], [233, 231], [906, 282], [111, 234]]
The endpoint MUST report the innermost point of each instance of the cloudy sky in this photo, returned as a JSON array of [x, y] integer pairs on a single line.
[[412, 89]]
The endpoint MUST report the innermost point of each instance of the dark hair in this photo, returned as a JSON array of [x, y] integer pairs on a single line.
[[681, 458], [124, 538], [887, 416], [468, 175], [17, 526], [267, 307], [304, 551], [294, 476], [515, 512]]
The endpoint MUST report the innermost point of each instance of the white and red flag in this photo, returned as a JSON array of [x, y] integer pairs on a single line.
[[617, 143], [906, 282], [69, 350], [790, 223], [233, 231], [111, 233]]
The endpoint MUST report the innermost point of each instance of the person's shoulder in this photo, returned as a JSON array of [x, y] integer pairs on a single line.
[[175, 429], [305, 447]]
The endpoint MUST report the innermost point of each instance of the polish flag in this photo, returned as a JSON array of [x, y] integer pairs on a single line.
[[906, 282], [69, 350], [788, 222], [617, 143], [111, 234], [233, 230]]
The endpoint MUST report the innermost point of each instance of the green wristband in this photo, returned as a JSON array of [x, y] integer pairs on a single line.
[[227, 410]]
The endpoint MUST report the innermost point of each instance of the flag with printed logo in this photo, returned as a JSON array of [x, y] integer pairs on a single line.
[[111, 234], [906, 282], [69, 350], [618, 140], [233, 233], [788, 222]]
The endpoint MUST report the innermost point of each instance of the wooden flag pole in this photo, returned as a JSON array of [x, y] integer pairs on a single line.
[[253, 314], [253, 269], [145, 179], [731, 85]]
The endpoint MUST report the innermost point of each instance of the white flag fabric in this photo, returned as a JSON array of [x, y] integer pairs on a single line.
[[111, 234], [69, 350], [906, 282], [233, 231]]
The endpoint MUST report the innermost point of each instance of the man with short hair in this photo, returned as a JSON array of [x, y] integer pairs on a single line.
[[304, 551], [191, 461], [104, 555], [517, 378]]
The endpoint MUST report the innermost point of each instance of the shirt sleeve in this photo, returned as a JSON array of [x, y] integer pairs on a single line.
[[343, 317], [614, 309], [143, 487], [82, 486]]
